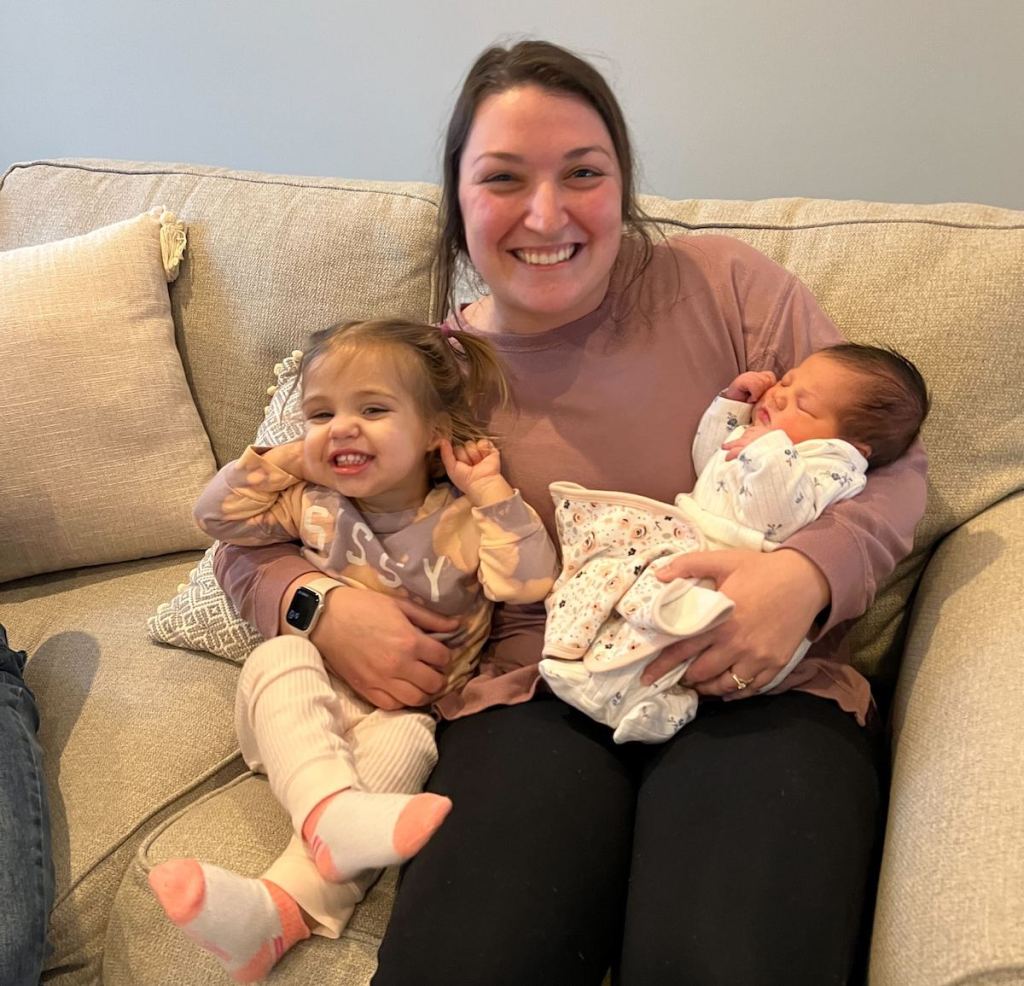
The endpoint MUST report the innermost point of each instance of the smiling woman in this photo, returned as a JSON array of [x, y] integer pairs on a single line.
[[546, 123], [567, 854], [541, 197]]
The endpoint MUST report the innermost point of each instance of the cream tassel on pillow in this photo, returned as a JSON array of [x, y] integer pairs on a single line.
[[288, 368], [172, 241]]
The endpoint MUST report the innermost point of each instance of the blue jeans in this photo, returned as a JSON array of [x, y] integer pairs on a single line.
[[26, 868]]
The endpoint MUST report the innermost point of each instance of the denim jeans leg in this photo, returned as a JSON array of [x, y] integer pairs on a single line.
[[26, 868]]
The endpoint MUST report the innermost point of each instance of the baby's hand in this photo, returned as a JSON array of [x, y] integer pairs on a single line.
[[750, 434], [750, 386], [475, 468]]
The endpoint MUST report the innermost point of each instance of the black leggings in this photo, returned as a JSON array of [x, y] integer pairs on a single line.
[[736, 853]]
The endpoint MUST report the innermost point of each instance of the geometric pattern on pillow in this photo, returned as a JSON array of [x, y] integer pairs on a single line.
[[200, 616]]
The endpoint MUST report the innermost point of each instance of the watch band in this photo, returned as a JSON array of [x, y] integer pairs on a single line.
[[296, 620]]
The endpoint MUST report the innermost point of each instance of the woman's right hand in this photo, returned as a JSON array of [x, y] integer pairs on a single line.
[[378, 645]]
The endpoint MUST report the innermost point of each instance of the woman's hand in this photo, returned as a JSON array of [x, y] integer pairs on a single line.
[[378, 645], [475, 468], [777, 596]]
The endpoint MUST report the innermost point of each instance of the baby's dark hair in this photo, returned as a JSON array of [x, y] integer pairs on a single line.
[[453, 377], [891, 403]]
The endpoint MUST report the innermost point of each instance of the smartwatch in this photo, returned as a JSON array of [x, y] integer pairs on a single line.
[[307, 604]]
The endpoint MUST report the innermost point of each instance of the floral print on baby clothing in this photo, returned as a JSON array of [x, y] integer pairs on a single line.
[[609, 608], [607, 604]]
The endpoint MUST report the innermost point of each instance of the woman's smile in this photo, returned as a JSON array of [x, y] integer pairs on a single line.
[[541, 196], [546, 256]]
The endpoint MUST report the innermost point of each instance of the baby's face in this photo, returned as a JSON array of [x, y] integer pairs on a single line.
[[807, 401]]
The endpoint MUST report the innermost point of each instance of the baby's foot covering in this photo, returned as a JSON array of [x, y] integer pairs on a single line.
[[357, 830], [246, 924], [658, 718]]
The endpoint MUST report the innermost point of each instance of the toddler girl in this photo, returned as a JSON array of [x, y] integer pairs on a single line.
[[389, 406]]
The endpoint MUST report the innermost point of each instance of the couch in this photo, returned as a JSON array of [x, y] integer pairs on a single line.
[[141, 759]]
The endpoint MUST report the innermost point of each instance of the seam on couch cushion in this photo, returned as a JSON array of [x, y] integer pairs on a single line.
[[799, 227], [190, 171], [79, 923], [326, 183], [147, 842], [156, 810]]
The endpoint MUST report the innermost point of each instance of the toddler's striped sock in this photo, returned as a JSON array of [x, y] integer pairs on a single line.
[[246, 924], [351, 831]]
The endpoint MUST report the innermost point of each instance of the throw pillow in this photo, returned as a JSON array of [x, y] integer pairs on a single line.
[[102, 447], [200, 616]]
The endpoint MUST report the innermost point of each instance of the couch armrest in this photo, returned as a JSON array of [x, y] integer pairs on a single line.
[[951, 897]]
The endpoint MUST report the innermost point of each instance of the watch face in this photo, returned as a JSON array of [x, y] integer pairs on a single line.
[[303, 608]]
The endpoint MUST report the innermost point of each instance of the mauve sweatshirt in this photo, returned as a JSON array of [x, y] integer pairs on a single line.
[[612, 401]]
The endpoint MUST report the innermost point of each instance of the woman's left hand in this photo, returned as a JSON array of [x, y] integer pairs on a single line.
[[777, 597]]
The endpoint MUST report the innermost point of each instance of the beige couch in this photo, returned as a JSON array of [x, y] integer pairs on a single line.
[[142, 762]]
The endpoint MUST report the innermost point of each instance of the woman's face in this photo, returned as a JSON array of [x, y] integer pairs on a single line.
[[541, 197]]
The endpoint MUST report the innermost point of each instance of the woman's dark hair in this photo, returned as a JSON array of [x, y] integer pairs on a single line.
[[891, 404], [527, 63], [454, 378]]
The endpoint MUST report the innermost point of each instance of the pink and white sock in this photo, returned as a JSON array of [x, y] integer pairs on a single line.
[[353, 831], [246, 924]]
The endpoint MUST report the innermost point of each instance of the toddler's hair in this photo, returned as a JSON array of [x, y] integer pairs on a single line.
[[891, 403], [453, 377]]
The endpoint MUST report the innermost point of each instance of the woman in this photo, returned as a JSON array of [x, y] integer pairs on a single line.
[[739, 851]]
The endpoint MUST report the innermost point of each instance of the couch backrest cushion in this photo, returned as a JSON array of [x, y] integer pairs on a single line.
[[944, 284], [270, 259], [273, 257]]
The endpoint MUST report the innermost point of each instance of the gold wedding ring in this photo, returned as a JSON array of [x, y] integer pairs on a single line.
[[741, 683]]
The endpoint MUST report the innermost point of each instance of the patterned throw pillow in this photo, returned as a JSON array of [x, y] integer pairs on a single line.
[[200, 616]]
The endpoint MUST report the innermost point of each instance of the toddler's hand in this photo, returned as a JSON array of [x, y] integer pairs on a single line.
[[475, 468], [290, 457], [750, 386], [750, 434]]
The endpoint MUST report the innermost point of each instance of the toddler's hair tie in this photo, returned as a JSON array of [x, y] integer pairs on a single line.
[[446, 331]]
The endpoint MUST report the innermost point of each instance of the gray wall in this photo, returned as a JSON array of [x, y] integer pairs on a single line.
[[894, 100]]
